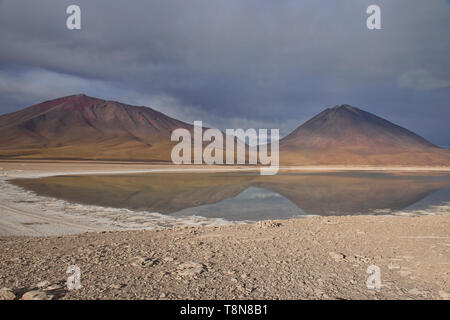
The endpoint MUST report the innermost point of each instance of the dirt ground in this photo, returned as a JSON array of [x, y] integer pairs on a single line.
[[313, 258]]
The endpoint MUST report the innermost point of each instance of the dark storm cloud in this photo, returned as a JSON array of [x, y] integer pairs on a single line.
[[236, 62]]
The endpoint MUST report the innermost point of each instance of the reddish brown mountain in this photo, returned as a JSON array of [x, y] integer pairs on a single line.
[[348, 135], [82, 127]]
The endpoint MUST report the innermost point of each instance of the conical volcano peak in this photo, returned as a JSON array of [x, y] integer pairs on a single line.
[[81, 98], [80, 95], [345, 108], [343, 127], [344, 134]]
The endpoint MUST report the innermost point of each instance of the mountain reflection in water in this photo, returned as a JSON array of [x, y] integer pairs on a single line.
[[248, 196]]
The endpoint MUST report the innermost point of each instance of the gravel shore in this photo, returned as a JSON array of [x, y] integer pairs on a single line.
[[315, 258]]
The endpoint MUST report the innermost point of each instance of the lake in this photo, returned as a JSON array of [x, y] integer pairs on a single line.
[[246, 196]]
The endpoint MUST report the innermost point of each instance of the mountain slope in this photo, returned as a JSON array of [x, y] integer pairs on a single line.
[[82, 127], [348, 135]]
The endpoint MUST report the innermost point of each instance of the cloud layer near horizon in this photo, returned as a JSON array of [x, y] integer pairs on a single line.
[[235, 63]]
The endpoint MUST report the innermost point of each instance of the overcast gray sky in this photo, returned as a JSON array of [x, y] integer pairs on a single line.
[[235, 63]]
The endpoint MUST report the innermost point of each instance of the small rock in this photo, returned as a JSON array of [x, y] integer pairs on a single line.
[[268, 224], [190, 269], [53, 287], [43, 284], [115, 286], [7, 294], [361, 259], [143, 262], [338, 257], [36, 295]]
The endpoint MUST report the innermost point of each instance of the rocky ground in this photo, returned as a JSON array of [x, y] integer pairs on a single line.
[[313, 258]]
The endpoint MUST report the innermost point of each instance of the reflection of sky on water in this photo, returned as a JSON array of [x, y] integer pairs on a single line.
[[438, 197], [251, 204], [256, 204]]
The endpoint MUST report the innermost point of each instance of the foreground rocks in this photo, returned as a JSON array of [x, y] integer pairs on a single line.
[[37, 295], [314, 258], [190, 269], [7, 294]]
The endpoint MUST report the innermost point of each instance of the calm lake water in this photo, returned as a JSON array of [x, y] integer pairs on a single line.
[[249, 196]]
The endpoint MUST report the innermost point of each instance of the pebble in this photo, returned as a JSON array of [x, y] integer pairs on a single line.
[[54, 287], [7, 294], [268, 224], [190, 269], [43, 284], [115, 286], [36, 295], [140, 261], [338, 257]]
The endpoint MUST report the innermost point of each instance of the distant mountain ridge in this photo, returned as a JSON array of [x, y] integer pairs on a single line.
[[82, 127]]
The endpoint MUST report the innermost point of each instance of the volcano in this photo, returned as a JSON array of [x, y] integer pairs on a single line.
[[346, 135], [82, 127], [79, 127]]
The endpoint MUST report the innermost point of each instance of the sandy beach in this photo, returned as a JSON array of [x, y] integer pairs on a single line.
[[313, 258]]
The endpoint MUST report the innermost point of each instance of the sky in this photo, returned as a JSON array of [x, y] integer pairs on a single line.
[[235, 63]]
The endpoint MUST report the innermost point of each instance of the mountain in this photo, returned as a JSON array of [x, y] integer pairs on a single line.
[[82, 127], [347, 135]]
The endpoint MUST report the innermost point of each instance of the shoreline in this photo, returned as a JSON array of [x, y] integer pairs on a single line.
[[38, 169], [24, 213]]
